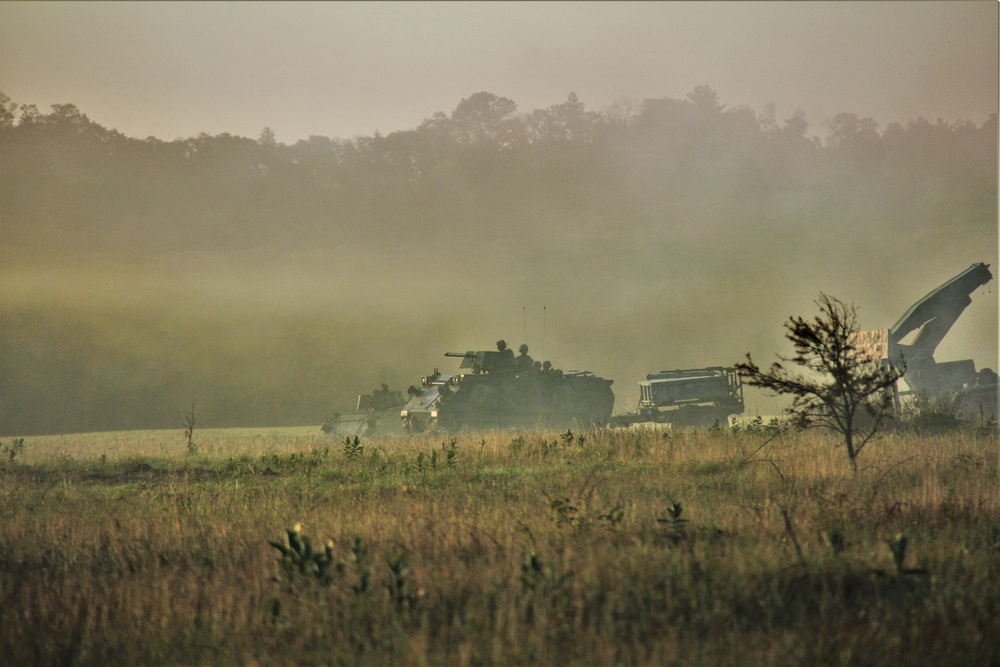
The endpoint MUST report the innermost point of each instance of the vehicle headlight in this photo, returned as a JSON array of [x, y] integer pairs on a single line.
[[434, 414], [404, 414]]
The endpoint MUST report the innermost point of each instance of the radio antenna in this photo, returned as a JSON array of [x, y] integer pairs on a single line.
[[524, 316], [543, 332]]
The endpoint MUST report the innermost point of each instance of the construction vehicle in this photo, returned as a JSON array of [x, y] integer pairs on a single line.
[[910, 344], [687, 397], [489, 391]]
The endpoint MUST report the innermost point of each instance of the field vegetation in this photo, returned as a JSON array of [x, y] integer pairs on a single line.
[[724, 546]]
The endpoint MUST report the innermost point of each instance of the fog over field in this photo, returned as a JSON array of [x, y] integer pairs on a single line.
[[182, 242]]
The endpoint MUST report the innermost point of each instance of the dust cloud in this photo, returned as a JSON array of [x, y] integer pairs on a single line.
[[268, 285]]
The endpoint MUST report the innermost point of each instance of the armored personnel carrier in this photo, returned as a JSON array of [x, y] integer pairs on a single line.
[[490, 391], [376, 414]]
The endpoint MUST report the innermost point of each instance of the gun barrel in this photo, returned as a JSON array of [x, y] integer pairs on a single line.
[[460, 354]]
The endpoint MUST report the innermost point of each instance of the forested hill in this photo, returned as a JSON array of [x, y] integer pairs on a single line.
[[70, 183], [662, 232]]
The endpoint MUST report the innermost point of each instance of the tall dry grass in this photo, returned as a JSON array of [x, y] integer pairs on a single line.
[[548, 548]]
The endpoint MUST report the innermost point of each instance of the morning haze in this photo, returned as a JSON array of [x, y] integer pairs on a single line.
[[342, 69], [629, 187]]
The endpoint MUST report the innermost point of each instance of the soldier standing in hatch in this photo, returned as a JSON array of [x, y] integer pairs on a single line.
[[524, 362], [506, 354]]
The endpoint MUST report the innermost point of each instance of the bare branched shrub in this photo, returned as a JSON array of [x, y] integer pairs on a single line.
[[842, 389]]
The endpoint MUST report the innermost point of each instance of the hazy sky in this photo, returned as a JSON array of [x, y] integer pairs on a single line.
[[340, 69]]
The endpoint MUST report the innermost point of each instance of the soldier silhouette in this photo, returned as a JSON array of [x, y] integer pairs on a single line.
[[524, 362]]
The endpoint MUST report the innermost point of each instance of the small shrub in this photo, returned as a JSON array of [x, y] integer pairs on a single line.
[[898, 549], [13, 450], [427, 462], [676, 527], [563, 511], [299, 559], [188, 423], [450, 452], [359, 559], [932, 415], [988, 429], [539, 576], [353, 449], [835, 540], [613, 518]]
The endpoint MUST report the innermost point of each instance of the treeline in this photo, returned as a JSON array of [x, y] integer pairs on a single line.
[[69, 182]]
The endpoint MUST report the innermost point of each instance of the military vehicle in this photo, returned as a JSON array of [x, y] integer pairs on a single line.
[[687, 397], [912, 340], [376, 413], [489, 391]]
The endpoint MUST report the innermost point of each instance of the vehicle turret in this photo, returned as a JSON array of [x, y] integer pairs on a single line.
[[486, 361]]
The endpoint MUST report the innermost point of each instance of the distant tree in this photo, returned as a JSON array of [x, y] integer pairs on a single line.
[[990, 126], [7, 109], [845, 390], [848, 131], [483, 117], [658, 115], [484, 107], [568, 121], [768, 119], [796, 126], [438, 123], [623, 112], [699, 126], [29, 114], [705, 99], [267, 137], [69, 114]]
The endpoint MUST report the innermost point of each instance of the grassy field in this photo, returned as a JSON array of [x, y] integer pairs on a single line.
[[598, 548]]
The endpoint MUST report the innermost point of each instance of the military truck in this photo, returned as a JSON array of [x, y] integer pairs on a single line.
[[489, 391], [687, 397]]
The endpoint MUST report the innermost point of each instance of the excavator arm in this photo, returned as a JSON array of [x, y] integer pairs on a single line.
[[931, 318]]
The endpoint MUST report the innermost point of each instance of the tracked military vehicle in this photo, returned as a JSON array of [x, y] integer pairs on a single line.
[[489, 391], [376, 414]]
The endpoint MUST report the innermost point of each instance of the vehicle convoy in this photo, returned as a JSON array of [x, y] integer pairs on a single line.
[[492, 390], [495, 389], [912, 340], [689, 397], [376, 413]]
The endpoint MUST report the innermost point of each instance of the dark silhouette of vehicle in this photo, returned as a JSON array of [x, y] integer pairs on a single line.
[[687, 397], [489, 392], [376, 413], [912, 340]]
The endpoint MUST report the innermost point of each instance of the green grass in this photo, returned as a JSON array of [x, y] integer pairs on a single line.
[[528, 549]]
